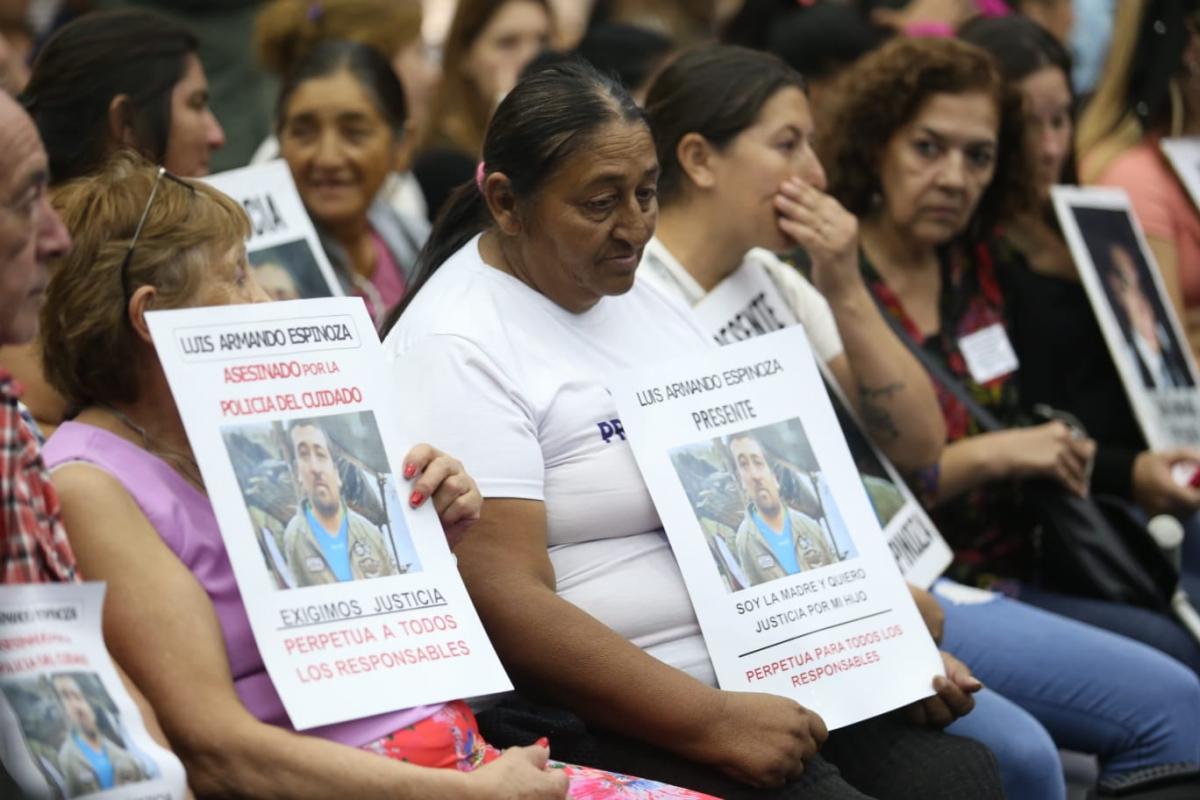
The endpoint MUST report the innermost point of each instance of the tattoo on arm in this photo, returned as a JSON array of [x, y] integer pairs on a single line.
[[875, 414]]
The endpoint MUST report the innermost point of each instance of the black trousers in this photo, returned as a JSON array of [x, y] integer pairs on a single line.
[[885, 758]]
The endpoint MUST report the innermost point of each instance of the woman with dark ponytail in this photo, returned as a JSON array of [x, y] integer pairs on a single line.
[[527, 303]]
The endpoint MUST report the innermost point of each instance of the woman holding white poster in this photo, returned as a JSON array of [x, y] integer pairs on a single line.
[[1064, 360], [526, 304], [145, 239], [950, 161], [709, 152]]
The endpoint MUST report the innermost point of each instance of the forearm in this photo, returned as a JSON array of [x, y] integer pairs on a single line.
[[250, 759], [968, 464], [891, 391], [610, 682]]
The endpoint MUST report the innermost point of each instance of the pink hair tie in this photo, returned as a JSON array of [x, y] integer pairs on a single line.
[[480, 174]]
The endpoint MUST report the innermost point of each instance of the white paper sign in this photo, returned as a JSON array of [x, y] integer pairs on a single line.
[[68, 728], [826, 618], [354, 598], [748, 304], [1134, 311], [988, 353], [284, 251]]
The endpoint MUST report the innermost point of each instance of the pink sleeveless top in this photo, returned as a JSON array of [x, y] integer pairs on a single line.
[[184, 519]]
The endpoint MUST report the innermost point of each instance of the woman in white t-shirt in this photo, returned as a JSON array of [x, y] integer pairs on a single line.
[[526, 303]]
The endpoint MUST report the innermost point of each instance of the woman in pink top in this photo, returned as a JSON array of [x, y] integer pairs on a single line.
[[341, 122], [134, 504], [1150, 89]]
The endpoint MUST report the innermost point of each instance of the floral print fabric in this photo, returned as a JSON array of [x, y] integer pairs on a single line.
[[450, 739]]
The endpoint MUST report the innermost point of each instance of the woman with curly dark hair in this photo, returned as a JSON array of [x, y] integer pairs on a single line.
[[926, 147]]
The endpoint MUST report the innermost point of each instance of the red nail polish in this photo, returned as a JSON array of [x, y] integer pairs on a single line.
[[410, 470], [543, 742], [415, 499]]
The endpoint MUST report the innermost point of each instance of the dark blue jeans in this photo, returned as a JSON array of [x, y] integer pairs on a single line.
[[1088, 689]]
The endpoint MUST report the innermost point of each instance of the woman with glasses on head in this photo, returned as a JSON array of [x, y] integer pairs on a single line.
[[144, 240]]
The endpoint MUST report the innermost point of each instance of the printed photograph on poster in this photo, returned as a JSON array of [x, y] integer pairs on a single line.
[[1129, 287], [321, 499], [75, 734], [763, 504], [288, 271]]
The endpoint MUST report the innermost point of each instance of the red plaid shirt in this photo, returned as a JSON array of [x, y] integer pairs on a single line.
[[35, 547]]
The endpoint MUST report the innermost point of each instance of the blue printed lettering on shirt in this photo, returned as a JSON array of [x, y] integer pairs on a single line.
[[611, 428]]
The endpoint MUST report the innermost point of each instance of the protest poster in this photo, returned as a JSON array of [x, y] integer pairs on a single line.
[[800, 596], [1184, 155], [68, 728], [747, 304], [354, 598], [1134, 311], [285, 254]]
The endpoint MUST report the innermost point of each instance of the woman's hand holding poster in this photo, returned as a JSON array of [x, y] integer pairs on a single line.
[[793, 583], [354, 597]]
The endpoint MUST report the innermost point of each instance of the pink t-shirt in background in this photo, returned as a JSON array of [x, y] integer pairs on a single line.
[[1162, 206]]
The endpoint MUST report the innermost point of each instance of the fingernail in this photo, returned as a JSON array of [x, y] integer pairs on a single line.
[[543, 742], [976, 683], [410, 470], [415, 499]]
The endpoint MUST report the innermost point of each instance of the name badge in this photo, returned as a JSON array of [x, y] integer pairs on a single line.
[[765, 562], [988, 353], [314, 564]]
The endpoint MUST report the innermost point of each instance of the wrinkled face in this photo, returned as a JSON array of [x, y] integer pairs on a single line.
[[582, 235], [79, 710], [935, 168], [195, 133], [318, 472], [338, 146], [1046, 102], [513, 36], [752, 167], [31, 233], [755, 473]]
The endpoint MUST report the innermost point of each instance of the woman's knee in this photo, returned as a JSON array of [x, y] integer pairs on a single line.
[[1028, 757]]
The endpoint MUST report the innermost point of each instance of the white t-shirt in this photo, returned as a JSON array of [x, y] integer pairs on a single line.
[[664, 271], [513, 385]]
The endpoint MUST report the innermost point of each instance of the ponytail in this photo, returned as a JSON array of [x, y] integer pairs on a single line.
[[462, 217], [547, 118]]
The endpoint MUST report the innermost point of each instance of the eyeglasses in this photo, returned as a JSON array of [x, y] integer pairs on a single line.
[[137, 232]]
